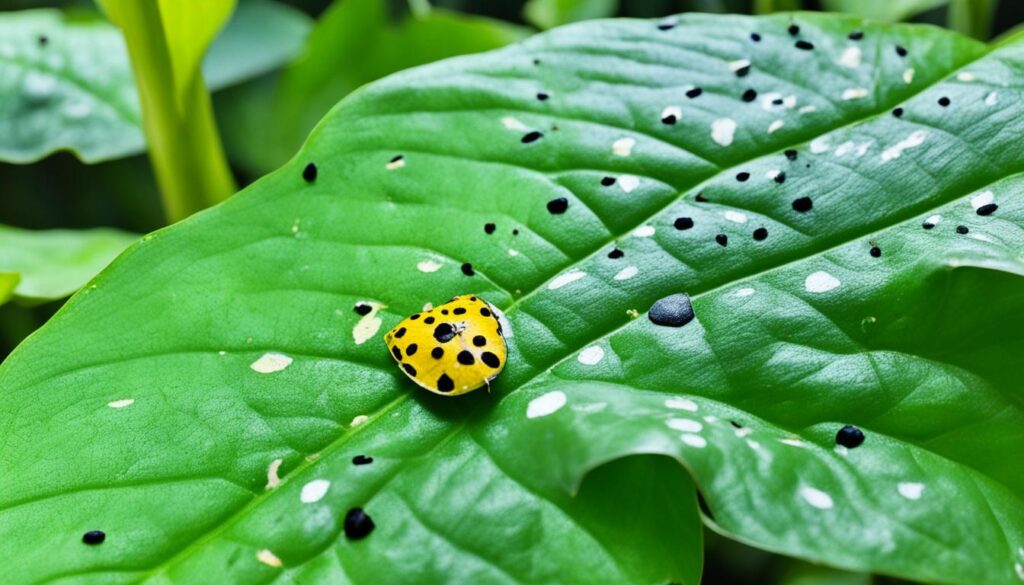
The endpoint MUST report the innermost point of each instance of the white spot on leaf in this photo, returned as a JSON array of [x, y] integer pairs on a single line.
[[627, 272], [821, 281], [681, 404], [966, 76], [981, 199], [735, 216], [513, 124], [566, 278], [121, 403], [723, 130], [820, 145], [368, 325], [855, 93], [314, 491], [777, 124], [644, 231], [268, 558], [850, 58], [744, 292], [684, 424], [908, 75], [623, 146], [395, 164], [362, 418], [694, 441], [428, 266], [271, 362], [816, 498], [910, 489], [673, 111], [545, 404], [896, 150], [735, 66], [628, 183], [272, 478], [991, 99], [933, 219], [808, 109], [591, 355]]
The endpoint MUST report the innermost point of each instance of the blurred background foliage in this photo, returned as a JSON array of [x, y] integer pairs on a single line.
[[275, 70]]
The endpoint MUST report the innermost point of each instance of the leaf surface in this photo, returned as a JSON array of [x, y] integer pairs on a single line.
[[567, 470]]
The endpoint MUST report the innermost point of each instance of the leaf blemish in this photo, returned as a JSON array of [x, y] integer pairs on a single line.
[[271, 362]]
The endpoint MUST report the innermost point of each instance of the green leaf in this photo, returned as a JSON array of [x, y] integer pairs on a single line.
[[884, 10], [551, 13], [8, 280], [795, 335], [76, 92], [354, 43], [53, 264]]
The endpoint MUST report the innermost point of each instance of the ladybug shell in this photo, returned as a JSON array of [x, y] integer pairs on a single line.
[[451, 349]]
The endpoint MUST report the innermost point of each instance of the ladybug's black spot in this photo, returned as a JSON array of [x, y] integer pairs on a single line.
[[444, 332], [309, 173], [850, 437], [490, 359], [692, 93], [962, 229], [944, 101], [683, 223], [400, 333], [479, 340], [749, 95], [437, 353], [755, 37], [414, 316], [856, 35], [803, 204], [489, 228], [467, 269], [988, 209], [901, 51], [429, 320], [358, 524], [790, 154], [362, 309], [409, 370], [362, 460], [472, 299], [722, 239], [445, 384], [531, 136], [616, 254], [395, 351], [459, 311], [94, 537], [558, 205], [445, 311], [465, 358], [742, 177], [875, 252], [804, 45], [608, 181], [542, 96], [793, 30], [410, 350], [671, 311], [898, 112], [760, 234], [485, 312]]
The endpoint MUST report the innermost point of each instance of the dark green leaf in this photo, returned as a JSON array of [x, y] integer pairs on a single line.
[[795, 335], [52, 264], [67, 85]]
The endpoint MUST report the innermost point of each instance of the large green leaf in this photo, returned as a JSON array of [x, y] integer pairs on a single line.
[[354, 42], [52, 264], [67, 85], [887, 10], [149, 407]]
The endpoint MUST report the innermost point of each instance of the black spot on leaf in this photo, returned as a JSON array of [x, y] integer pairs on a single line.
[[850, 437], [358, 524], [671, 311], [309, 173], [94, 537]]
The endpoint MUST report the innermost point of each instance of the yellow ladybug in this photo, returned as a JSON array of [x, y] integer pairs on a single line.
[[452, 349]]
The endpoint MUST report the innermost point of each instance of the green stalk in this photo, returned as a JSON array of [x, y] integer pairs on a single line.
[[184, 145]]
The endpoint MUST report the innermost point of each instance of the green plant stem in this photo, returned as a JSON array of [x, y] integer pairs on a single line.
[[184, 145], [972, 17]]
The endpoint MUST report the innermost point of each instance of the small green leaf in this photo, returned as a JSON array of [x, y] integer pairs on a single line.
[[8, 280], [884, 10], [53, 264], [551, 13], [67, 85], [846, 263]]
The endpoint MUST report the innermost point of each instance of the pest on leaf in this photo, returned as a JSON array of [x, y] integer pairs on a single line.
[[456, 348]]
